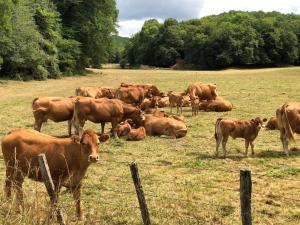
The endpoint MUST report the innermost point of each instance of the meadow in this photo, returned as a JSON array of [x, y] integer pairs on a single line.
[[183, 181]]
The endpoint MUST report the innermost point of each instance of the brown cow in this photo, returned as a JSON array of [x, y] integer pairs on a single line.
[[131, 95], [288, 119], [195, 106], [186, 102], [217, 105], [167, 126], [247, 129], [163, 102], [104, 110], [150, 103], [272, 124], [123, 128], [95, 92], [176, 99], [150, 89], [202, 91], [136, 134], [68, 160], [53, 108]]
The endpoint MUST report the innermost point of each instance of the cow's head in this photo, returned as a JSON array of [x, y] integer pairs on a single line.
[[258, 122], [89, 143], [154, 101], [123, 128]]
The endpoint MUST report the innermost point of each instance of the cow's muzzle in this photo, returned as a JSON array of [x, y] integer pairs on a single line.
[[93, 158]]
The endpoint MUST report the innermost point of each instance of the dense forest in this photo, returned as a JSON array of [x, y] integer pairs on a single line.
[[230, 39], [118, 46], [42, 39]]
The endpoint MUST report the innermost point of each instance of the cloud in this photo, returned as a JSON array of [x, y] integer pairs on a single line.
[[160, 9], [129, 27]]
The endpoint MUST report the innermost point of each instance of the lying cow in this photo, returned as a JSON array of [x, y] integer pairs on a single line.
[[272, 124], [202, 91], [171, 127], [150, 103], [124, 129], [104, 110], [288, 119], [217, 105], [95, 92], [247, 129], [68, 160], [163, 102], [53, 108]]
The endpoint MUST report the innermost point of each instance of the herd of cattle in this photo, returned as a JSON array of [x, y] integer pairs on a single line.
[[133, 111]]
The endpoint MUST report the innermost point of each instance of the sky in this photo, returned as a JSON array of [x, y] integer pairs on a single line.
[[133, 13]]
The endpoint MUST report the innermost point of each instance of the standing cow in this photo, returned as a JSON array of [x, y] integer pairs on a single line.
[[53, 108], [247, 129], [288, 119], [68, 160], [104, 110]]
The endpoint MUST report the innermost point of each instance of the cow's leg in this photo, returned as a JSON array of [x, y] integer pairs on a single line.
[[218, 142], [69, 128], [284, 141], [114, 124], [252, 148], [38, 124], [102, 127], [181, 109], [9, 180], [246, 147], [171, 108], [76, 195], [224, 142]]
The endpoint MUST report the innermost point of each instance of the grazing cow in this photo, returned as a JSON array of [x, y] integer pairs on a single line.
[[288, 119], [53, 108], [202, 91], [68, 160], [176, 99], [195, 106], [272, 124], [247, 129], [131, 95], [150, 89], [156, 125], [163, 102], [217, 105], [95, 92], [104, 110]]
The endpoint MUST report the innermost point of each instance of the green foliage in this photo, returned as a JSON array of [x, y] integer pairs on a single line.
[[229, 39], [38, 42], [118, 46]]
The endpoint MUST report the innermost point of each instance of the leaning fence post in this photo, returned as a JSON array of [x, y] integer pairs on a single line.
[[140, 193], [245, 196], [44, 167]]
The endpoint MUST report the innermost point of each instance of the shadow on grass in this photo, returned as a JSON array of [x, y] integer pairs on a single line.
[[293, 152], [203, 156]]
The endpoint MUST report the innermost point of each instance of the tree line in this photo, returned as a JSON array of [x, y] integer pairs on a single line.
[[235, 38], [42, 39]]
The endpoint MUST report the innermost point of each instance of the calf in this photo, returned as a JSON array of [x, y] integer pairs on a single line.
[[176, 99], [150, 103], [136, 134], [247, 129], [195, 106], [68, 160], [163, 102], [288, 119], [53, 108], [123, 128]]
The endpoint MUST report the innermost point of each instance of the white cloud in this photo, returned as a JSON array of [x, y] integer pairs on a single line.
[[133, 13]]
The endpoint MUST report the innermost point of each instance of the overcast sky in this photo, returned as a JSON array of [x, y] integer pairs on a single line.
[[133, 13]]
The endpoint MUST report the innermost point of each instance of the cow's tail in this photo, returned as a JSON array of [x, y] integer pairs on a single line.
[[218, 132], [286, 123]]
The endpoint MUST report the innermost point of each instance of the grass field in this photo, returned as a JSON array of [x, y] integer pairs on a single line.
[[183, 181]]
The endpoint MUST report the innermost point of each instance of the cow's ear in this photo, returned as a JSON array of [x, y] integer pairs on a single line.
[[103, 137], [265, 119], [75, 138]]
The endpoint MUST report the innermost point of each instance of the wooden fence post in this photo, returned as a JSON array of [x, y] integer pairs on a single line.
[[140, 193], [245, 196], [43, 164]]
